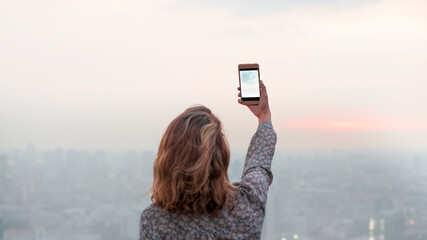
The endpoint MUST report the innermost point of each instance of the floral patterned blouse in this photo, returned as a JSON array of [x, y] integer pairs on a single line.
[[244, 222]]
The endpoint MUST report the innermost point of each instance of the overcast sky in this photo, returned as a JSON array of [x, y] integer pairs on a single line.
[[111, 74]]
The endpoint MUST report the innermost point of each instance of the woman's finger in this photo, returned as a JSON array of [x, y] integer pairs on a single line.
[[263, 88]]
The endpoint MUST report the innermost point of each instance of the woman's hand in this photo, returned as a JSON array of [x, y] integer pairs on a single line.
[[261, 110]]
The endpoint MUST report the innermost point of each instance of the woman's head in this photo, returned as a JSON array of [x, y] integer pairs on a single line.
[[190, 171]]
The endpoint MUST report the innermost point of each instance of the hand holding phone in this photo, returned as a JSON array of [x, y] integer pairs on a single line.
[[261, 108]]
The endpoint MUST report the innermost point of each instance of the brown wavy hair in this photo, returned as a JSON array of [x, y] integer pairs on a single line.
[[190, 170]]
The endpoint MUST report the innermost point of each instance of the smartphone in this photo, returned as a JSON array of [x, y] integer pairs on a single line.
[[249, 83]]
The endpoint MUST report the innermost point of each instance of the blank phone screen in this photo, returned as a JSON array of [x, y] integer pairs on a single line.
[[249, 83]]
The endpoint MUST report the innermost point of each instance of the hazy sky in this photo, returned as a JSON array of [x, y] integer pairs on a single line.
[[112, 74]]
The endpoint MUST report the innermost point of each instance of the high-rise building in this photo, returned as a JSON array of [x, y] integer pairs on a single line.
[[394, 228]]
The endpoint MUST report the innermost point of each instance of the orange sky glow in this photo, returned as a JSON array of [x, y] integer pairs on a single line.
[[354, 125]]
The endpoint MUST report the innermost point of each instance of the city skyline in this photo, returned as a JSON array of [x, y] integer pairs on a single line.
[[88, 87], [98, 195]]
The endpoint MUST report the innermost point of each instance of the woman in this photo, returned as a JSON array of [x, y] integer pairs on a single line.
[[192, 195]]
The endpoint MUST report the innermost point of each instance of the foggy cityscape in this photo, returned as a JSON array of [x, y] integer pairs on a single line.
[[88, 87], [66, 194]]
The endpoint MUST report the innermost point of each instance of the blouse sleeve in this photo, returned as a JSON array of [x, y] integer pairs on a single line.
[[257, 175]]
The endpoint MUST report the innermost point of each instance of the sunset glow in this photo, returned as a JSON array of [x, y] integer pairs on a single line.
[[355, 125]]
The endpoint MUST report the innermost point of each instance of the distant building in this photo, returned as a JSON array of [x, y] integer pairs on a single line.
[[19, 234], [394, 228], [416, 229]]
